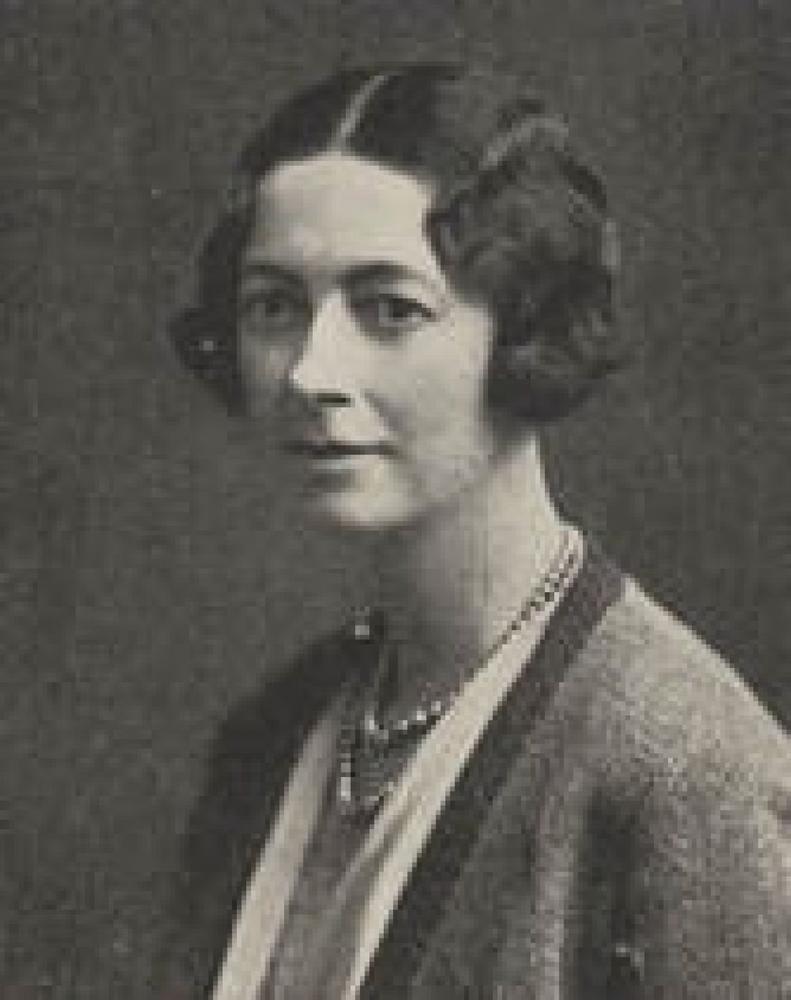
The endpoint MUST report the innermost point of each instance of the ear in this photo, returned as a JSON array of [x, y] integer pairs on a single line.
[[210, 355]]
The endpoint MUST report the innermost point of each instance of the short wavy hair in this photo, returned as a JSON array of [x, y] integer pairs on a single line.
[[518, 217]]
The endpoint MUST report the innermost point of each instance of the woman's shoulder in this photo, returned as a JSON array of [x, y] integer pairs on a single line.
[[659, 699], [696, 775]]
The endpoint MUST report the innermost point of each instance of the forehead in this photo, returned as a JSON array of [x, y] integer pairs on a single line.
[[336, 210]]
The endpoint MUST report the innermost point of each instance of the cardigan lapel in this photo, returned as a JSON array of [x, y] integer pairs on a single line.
[[250, 764], [430, 884]]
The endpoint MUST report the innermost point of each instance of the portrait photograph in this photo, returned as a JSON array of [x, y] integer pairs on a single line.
[[395, 501]]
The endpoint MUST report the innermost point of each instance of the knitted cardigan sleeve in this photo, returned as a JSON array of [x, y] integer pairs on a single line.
[[709, 894], [705, 910]]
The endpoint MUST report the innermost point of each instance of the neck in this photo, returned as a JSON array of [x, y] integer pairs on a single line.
[[450, 585]]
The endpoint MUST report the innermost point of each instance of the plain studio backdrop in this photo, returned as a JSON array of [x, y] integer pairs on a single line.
[[153, 577]]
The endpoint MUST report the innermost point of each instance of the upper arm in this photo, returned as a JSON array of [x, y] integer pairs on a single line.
[[707, 901]]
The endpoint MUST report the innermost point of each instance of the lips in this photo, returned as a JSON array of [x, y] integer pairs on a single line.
[[334, 449]]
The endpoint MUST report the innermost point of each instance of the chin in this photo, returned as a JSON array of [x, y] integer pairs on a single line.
[[363, 514]]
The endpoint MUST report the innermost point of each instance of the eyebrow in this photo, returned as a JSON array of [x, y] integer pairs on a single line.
[[267, 269], [370, 271]]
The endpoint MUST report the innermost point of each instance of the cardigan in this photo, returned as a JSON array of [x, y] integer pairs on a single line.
[[623, 828], [316, 908]]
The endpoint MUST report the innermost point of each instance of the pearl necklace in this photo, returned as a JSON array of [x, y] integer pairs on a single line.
[[366, 740]]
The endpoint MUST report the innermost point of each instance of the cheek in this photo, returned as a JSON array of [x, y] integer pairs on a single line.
[[264, 367], [437, 393]]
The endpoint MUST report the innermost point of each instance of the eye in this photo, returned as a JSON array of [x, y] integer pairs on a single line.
[[389, 312], [272, 309]]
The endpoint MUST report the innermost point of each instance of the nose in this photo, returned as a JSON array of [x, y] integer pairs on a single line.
[[322, 369]]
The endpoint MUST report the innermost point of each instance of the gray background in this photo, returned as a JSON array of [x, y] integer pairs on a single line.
[[154, 577]]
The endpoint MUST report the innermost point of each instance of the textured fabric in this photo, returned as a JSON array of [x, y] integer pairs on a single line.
[[641, 844], [623, 830]]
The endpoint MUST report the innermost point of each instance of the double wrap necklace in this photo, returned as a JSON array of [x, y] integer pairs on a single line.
[[372, 751]]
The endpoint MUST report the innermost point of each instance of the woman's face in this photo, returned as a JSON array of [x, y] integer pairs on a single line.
[[361, 364]]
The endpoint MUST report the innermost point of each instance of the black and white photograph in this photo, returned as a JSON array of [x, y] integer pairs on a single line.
[[395, 500]]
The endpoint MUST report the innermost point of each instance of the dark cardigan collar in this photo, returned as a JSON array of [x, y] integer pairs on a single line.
[[431, 881]]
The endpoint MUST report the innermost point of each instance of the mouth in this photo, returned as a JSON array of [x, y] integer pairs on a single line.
[[333, 449]]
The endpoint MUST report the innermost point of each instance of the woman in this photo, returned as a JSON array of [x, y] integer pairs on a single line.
[[515, 775]]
